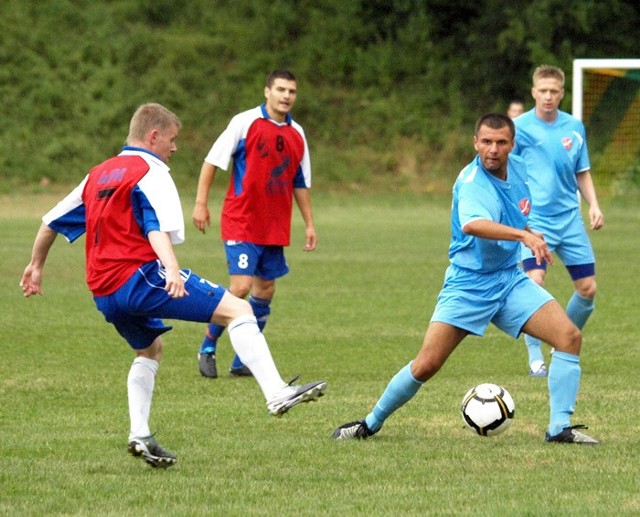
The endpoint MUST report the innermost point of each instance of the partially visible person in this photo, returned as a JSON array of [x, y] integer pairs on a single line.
[[130, 210], [515, 109], [483, 284], [271, 167], [554, 146]]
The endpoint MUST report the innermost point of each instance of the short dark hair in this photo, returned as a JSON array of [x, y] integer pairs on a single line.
[[496, 121], [279, 74]]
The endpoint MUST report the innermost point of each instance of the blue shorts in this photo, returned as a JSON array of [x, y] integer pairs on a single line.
[[135, 308], [471, 300], [244, 258], [565, 235]]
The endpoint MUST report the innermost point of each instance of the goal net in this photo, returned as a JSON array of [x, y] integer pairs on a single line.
[[606, 97]]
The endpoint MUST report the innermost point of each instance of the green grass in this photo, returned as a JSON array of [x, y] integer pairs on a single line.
[[352, 312]]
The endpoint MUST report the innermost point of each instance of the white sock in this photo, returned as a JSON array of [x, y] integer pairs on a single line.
[[252, 348], [140, 383]]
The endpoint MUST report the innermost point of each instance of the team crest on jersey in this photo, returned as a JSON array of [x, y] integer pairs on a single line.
[[567, 142], [525, 206]]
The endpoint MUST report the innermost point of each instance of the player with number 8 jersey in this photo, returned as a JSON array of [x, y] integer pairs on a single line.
[[270, 159], [271, 168]]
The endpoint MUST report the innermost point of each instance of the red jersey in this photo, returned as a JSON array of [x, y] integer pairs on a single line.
[[117, 204], [269, 161]]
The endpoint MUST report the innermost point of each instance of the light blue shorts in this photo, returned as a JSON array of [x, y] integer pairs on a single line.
[[471, 300], [137, 307], [244, 258], [565, 235]]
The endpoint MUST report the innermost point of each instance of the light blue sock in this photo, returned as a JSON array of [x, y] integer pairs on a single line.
[[563, 381], [398, 392], [579, 309], [534, 348]]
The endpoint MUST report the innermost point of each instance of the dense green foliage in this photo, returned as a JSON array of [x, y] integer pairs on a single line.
[[388, 89]]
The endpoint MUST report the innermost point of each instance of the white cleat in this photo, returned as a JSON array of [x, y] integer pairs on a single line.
[[290, 396]]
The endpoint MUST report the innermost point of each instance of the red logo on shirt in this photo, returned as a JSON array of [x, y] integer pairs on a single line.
[[567, 142], [525, 206]]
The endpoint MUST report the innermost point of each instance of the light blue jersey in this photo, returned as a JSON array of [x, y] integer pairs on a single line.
[[555, 152], [484, 284], [477, 194]]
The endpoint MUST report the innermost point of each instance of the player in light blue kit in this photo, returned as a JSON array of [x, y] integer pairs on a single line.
[[554, 146], [483, 284]]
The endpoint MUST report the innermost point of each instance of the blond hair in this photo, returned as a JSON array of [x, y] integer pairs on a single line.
[[148, 117], [548, 72]]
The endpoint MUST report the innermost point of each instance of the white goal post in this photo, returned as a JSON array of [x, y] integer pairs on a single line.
[[580, 65], [606, 97]]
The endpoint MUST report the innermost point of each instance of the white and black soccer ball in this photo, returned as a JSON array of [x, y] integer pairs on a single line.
[[487, 409]]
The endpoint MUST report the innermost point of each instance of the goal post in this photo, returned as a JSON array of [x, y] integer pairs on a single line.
[[606, 97]]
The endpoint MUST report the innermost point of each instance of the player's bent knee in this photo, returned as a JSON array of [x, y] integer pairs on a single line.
[[242, 307], [264, 289], [423, 370], [153, 351], [230, 308], [241, 291], [587, 291], [569, 341]]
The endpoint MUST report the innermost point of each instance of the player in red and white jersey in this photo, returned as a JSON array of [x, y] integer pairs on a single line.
[[130, 210], [271, 168], [136, 185]]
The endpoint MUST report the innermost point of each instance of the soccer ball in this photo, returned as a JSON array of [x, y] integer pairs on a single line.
[[487, 409]]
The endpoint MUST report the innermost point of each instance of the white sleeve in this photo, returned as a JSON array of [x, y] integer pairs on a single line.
[[227, 143], [72, 201], [223, 148], [305, 163], [159, 188]]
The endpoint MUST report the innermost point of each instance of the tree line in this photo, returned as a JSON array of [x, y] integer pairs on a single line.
[[388, 90]]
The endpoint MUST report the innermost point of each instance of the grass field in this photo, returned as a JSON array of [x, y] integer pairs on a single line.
[[353, 312]]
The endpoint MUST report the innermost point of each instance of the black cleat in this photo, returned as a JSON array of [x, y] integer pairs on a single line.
[[207, 365], [243, 371], [151, 452], [356, 430], [571, 435]]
